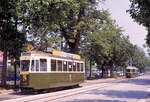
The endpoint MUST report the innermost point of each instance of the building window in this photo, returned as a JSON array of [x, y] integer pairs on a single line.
[[43, 65], [59, 65], [70, 66], [64, 65], [74, 66], [53, 65], [78, 66]]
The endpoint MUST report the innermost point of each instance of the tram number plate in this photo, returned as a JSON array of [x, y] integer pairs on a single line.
[[70, 77]]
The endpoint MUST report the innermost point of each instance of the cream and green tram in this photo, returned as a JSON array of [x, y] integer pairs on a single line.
[[131, 72], [40, 70]]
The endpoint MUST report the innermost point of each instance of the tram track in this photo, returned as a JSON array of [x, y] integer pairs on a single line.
[[62, 94], [70, 94]]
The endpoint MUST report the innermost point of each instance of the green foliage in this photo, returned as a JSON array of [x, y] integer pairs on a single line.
[[44, 13], [139, 59], [11, 40], [9, 33], [70, 18], [74, 25], [97, 45], [140, 12], [45, 41], [106, 46]]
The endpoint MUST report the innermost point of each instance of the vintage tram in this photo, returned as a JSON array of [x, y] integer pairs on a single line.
[[131, 72], [42, 70]]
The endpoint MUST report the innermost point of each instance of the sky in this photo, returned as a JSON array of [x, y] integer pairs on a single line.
[[137, 33]]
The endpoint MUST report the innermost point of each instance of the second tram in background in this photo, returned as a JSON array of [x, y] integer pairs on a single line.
[[131, 72], [41, 70]]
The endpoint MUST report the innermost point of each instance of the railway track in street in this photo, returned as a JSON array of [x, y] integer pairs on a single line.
[[54, 96]]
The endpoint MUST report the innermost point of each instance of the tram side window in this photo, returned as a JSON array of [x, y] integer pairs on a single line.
[[43, 65], [53, 65], [82, 67], [74, 66], [65, 66], [70, 66], [32, 65], [59, 65], [37, 65], [128, 70], [78, 66]]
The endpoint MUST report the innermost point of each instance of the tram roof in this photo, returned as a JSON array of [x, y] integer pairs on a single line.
[[47, 54], [131, 67]]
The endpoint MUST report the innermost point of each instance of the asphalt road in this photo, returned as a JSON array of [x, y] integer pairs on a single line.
[[128, 90]]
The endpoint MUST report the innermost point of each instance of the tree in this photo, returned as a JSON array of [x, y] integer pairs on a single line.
[[69, 18], [10, 37], [140, 12], [97, 44], [42, 18], [46, 41], [139, 59]]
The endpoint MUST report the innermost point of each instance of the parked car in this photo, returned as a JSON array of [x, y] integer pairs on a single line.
[[140, 74], [98, 75]]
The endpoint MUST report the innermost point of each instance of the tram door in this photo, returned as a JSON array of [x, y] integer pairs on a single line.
[[35, 65]]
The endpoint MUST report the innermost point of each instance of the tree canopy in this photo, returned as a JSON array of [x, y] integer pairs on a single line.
[[11, 39], [140, 12], [70, 18], [109, 48]]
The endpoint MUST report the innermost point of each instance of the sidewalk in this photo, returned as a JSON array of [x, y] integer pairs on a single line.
[[9, 87], [103, 80], [6, 91]]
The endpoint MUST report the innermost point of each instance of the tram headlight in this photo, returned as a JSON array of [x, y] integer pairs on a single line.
[[24, 78]]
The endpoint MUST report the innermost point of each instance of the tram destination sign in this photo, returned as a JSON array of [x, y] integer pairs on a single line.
[[26, 53], [67, 55], [1, 58]]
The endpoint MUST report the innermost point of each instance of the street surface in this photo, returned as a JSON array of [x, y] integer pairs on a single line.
[[110, 90], [134, 90]]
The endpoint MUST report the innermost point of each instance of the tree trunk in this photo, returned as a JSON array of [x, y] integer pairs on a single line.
[[103, 71], [86, 70], [76, 44], [3, 80], [15, 69], [90, 69], [111, 70], [72, 45]]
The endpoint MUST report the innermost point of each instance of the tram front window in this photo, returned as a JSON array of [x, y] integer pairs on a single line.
[[25, 65]]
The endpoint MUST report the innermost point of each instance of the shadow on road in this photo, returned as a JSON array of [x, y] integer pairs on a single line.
[[121, 94], [22, 93], [93, 100], [43, 91], [137, 81]]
